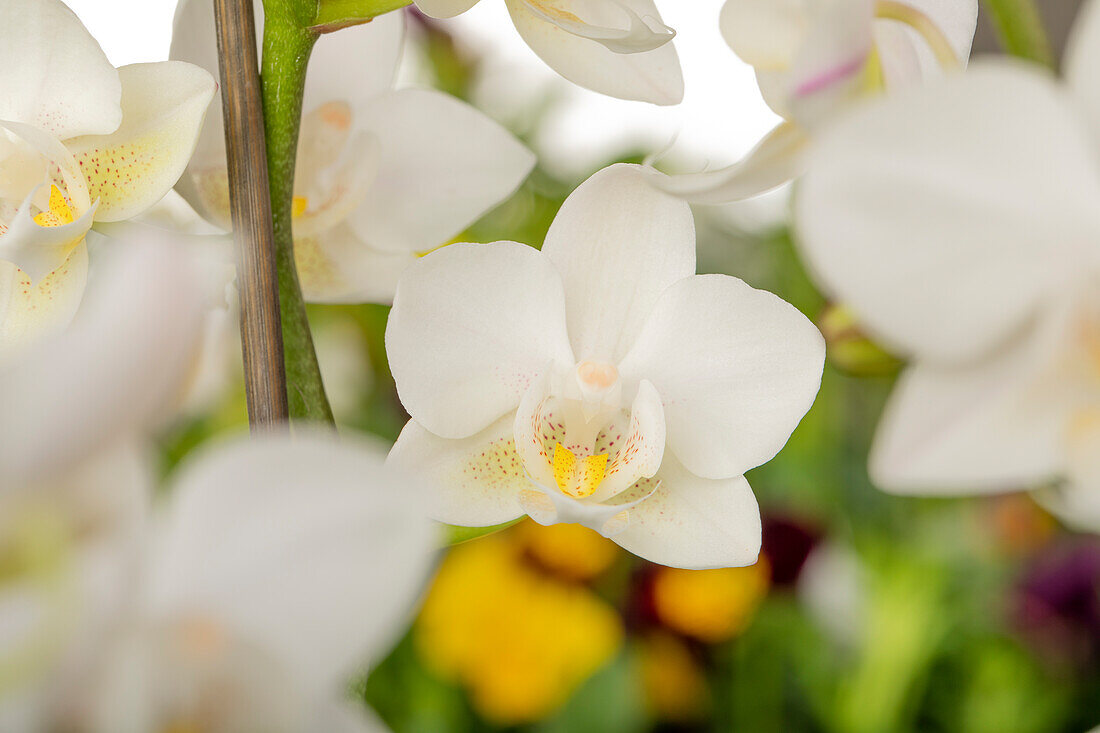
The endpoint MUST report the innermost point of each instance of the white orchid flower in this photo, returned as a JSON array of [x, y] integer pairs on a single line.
[[74, 482], [621, 48], [961, 223], [382, 174], [80, 142], [550, 383], [814, 59], [281, 565]]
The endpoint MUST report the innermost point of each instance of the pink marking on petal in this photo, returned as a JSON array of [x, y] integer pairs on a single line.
[[832, 76]]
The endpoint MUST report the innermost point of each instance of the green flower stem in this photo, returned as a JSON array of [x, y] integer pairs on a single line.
[[287, 44], [1020, 29]]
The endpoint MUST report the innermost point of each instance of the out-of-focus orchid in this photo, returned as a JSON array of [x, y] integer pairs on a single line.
[[74, 484], [961, 224], [233, 625], [813, 59], [550, 383], [382, 175], [616, 47], [80, 141]]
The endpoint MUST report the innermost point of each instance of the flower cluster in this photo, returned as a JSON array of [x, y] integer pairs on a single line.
[[588, 382]]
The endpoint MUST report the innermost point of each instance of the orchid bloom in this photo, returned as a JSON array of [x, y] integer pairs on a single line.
[[616, 47], [279, 566], [74, 481], [961, 224], [814, 59], [550, 383], [382, 175], [80, 142]]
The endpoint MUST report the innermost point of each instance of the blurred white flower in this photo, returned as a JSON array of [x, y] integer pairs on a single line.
[[382, 175], [74, 482], [813, 60], [548, 383], [80, 141], [616, 47], [280, 566], [832, 585], [961, 223]]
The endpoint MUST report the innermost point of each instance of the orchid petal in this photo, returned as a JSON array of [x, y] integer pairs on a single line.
[[163, 108], [471, 326], [54, 74], [825, 48], [36, 157], [737, 369], [691, 522], [473, 482], [989, 426], [1082, 61], [638, 37], [1077, 501], [775, 160], [194, 40], [942, 235], [112, 373], [956, 20], [547, 506], [901, 62], [618, 242], [282, 509], [439, 155], [444, 8], [766, 34], [369, 51], [30, 312], [649, 76], [337, 267]]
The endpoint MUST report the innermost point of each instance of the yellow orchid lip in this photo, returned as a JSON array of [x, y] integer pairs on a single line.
[[575, 476], [59, 212]]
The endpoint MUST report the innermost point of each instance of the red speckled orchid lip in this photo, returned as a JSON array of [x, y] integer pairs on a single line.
[[832, 76]]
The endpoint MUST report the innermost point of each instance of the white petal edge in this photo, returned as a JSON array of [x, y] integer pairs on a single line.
[[989, 426], [163, 107], [54, 74], [472, 325], [438, 155], [652, 76], [1082, 64], [444, 8], [777, 159], [737, 368], [944, 215], [618, 242], [113, 373], [472, 482], [260, 532], [695, 523]]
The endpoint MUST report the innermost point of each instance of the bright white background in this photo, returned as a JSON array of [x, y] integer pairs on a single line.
[[721, 118]]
